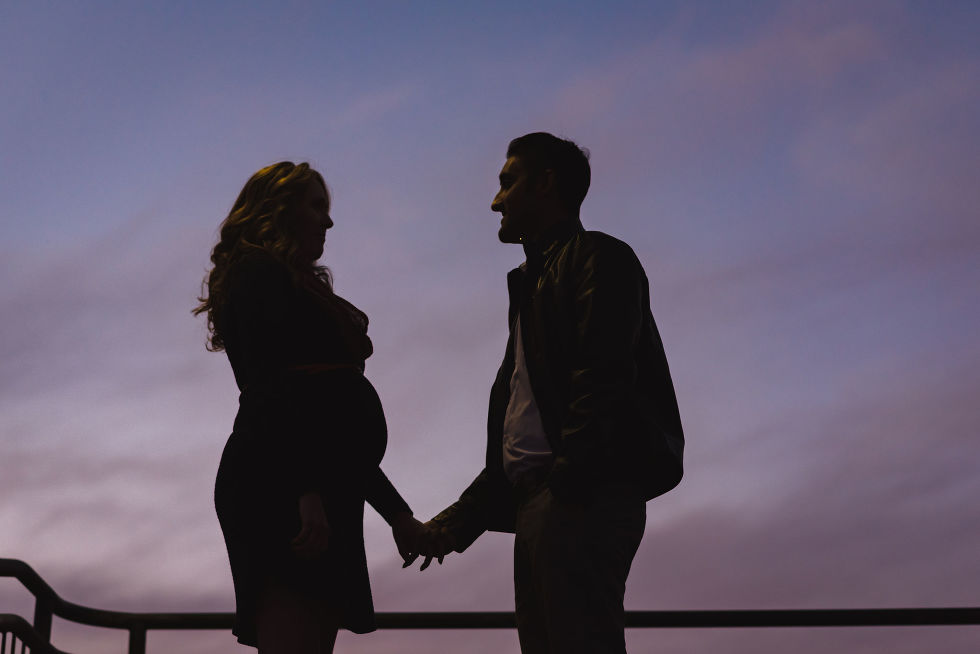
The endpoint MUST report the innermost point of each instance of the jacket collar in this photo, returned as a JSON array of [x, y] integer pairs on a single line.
[[542, 249]]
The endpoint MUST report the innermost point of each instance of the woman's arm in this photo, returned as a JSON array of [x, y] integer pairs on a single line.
[[314, 534], [262, 315], [382, 495], [411, 536]]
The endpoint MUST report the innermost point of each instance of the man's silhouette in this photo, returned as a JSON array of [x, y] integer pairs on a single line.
[[583, 425]]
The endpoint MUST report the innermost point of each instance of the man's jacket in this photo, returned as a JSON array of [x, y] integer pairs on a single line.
[[599, 375]]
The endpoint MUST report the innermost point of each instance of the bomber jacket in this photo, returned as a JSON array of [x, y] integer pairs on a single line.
[[599, 376]]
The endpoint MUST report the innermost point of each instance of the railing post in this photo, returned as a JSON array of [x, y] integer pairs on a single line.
[[137, 639], [42, 619]]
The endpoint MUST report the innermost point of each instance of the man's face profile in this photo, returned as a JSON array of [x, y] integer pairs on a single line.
[[517, 202]]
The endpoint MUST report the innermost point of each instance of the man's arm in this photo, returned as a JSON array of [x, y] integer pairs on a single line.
[[608, 288], [467, 518], [457, 526]]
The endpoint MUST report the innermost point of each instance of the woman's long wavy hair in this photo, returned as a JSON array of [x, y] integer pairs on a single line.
[[261, 218]]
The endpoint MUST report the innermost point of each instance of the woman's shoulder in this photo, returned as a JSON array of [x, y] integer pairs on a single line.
[[258, 261], [257, 268]]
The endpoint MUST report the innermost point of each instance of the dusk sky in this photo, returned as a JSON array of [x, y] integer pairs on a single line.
[[801, 181]]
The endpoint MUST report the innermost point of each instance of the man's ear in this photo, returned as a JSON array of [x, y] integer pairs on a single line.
[[547, 181]]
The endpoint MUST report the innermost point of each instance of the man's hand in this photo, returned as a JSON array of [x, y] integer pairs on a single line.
[[314, 534], [436, 543]]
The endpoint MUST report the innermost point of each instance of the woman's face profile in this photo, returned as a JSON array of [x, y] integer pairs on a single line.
[[312, 220]]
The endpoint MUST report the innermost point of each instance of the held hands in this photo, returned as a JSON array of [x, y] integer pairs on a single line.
[[440, 543], [412, 538], [314, 534], [415, 539], [436, 543]]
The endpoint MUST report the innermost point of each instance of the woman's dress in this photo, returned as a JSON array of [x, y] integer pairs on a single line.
[[308, 420]]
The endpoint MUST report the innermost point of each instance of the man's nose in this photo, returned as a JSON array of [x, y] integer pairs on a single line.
[[497, 204], [327, 222]]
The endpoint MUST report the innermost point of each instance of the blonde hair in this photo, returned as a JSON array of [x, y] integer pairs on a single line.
[[261, 218]]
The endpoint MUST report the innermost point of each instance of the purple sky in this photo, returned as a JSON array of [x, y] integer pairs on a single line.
[[799, 179]]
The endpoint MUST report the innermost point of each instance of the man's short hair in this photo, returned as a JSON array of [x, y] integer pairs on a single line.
[[540, 151]]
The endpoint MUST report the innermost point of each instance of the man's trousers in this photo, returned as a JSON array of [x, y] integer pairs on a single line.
[[571, 561]]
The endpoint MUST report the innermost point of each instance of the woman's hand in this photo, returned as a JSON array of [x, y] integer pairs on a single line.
[[410, 535], [314, 534]]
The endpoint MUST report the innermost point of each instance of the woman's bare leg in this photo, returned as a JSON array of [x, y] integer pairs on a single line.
[[290, 623]]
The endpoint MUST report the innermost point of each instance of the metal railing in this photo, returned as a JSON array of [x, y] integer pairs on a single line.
[[15, 629], [49, 604]]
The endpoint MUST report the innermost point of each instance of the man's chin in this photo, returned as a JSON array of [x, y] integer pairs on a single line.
[[507, 236]]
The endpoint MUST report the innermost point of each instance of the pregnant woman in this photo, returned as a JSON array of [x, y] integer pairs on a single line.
[[310, 432]]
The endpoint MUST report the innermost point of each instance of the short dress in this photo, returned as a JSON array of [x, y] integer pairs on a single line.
[[308, 420]]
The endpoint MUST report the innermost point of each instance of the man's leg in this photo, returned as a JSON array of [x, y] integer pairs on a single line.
[[528, 605], [570, 567]]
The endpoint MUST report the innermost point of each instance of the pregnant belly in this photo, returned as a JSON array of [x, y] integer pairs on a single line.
[[340, 411]]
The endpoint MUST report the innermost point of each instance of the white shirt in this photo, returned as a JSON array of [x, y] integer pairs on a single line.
[[525, 443]]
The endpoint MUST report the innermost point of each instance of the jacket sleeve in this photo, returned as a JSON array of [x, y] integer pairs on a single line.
[[468, 517], [382, 495], [607, 289]]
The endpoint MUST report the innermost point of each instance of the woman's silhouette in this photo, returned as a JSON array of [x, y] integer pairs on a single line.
[[310, 431]]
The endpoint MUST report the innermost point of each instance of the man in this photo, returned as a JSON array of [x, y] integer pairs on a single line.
[[583, 425]]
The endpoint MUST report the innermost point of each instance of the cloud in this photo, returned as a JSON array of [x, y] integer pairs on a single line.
[[376, 104], [903, 149], [845, 118], [688, 99], [801, 197]]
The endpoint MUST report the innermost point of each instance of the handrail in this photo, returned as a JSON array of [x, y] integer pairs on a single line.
[[22, 630], [49, 603], [706, 619]]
